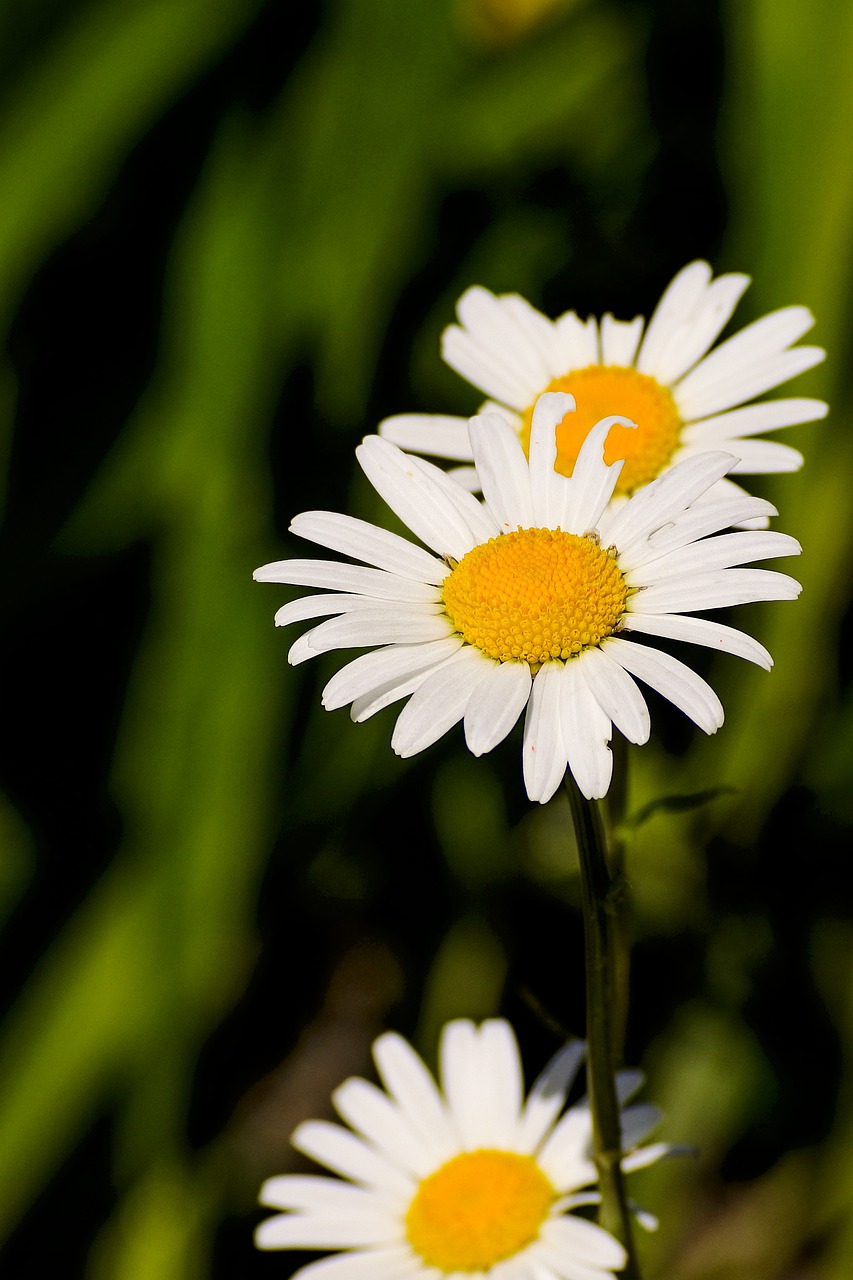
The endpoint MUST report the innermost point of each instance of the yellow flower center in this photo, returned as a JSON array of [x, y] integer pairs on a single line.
[[480, 1207], [600, 391], [535, 594]]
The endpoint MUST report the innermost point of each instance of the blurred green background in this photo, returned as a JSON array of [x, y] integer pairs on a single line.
[[231, 233]]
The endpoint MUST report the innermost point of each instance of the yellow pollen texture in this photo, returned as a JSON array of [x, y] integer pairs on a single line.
[[535, 594], [601, 391], [479, 1208]]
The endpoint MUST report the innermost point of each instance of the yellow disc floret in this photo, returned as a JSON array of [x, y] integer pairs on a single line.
[[601, 391], [477, 1209], [535, 594]]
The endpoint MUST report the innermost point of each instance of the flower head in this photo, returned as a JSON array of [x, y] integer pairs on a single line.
[[470, 1180], [533, 596], [660, 375]]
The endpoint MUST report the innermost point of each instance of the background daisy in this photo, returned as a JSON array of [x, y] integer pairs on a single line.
[[529, 606], [660, 375], [470, 1178]]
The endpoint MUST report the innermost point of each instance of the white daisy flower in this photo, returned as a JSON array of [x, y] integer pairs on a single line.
[[532, 598], [468, 1181], [685, 400]]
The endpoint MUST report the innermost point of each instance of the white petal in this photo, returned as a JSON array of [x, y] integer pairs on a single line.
[[721, 552], [714, 590], [467, 477], [477, 517], [672, 679], [437, 704], [586, 734], [335, 575], [657, 503], [713, 635], [584, 1241], [753, 361], [541, 332], [763, 457], [689, 342], [322, 606], [547, 486], [407, 1080], [544, 755], [420, 503], [373, 1115], [437, 434], [364, 541], [566, 1156], [620, 339], [344, 1153], [369, 627], [503, 471], [616, 694], [462, 1081], [591, 486], [677, 305], [644, 1156], [369, 671], [393, 1262], [319, 1194], [755, 419], [327, 1231], [697, 522], [501, 1082], [492, 351], [547, 1097], [495, 705], [394, 689], [579, 340]]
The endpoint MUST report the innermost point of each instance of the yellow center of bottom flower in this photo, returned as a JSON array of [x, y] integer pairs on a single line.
[[601, 391], [535, 594], [480, 1207]]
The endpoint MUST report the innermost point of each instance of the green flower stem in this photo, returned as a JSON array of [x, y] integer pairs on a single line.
[[604, 1016]]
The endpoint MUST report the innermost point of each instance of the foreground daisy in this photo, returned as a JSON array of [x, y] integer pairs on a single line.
[[533, 598], [471, 1180], [683, 399]]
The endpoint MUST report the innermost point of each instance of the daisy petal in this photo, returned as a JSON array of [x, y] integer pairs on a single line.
[[367, 542], [344, 1153], [370, 671], [753, 420], [495, 705], [692, 339], [369, 627], [716, 553], [672, 679], [395, 1262], [439, 703], [547, 486], [503, 471], [548, 1096], [586, 730], [415, 497], [579, 340], [407, 1080], [544, 756], [438, 434], [616, 694], [372, 1114], [677, 305], [620, 339], [334, 575], [713, 635], [714, 590]]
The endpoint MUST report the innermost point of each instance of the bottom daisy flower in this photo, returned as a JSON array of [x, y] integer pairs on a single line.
[[472, 1180]]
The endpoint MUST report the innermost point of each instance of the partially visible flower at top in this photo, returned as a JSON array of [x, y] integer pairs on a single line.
[[684, 403], [470, 1179], [525, 606]]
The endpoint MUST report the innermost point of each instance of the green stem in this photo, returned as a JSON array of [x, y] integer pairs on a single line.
[[603, 1019]]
